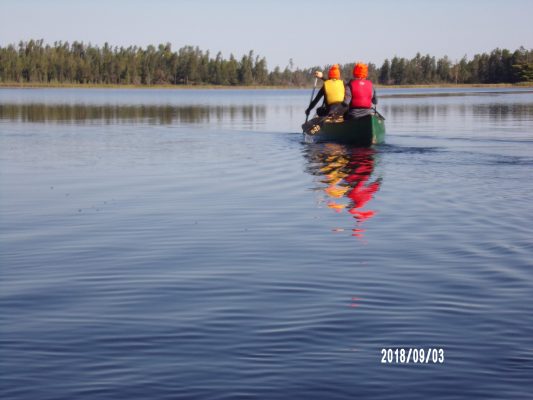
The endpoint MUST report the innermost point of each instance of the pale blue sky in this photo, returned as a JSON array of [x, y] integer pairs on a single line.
[[310, 32]]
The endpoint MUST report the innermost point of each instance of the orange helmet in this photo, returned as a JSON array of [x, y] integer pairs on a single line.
[[360, 70], [334, 72]]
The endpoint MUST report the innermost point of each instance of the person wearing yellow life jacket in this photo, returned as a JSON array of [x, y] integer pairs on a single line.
[[333, 93], [360, 94]]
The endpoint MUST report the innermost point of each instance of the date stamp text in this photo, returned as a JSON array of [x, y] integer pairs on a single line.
[[412, 355]]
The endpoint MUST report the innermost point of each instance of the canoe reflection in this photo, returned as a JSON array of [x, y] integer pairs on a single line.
[[345, 179]]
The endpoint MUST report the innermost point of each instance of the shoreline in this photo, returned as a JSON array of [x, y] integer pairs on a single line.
[[37, 85], [33, 85]]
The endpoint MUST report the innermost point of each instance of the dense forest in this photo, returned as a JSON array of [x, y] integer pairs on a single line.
[[66, 63]]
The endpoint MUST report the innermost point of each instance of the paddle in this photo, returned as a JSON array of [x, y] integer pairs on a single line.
[[378, 113], [310, 101]]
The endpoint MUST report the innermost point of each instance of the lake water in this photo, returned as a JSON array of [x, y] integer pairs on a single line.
[[160, 244]]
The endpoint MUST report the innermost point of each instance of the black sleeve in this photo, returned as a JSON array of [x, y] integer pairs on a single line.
[[347, 94], [316, 99], [374, 97]]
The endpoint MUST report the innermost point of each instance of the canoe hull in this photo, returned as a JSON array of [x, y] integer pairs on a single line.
[[364, 132]]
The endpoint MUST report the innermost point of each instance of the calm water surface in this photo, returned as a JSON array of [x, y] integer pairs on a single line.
[[186, 244]]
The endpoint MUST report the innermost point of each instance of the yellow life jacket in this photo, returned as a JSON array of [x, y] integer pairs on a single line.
[[334, 91]]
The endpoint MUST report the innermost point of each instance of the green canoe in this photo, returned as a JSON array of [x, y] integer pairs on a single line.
[[364, 131]]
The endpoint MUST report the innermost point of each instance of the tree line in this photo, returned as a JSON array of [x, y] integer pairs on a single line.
[[36, 62], [498, 66]]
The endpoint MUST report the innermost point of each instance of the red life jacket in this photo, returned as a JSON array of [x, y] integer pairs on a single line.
[[361, 93]]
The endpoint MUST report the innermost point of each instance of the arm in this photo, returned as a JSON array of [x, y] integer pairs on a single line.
[[347, 94], [317, 98], [374, 97]]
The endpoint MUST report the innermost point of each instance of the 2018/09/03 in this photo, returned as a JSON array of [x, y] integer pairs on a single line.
[[412, 355]]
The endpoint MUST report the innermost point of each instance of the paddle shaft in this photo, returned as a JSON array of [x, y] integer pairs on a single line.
[[378, 113], [310, 101]]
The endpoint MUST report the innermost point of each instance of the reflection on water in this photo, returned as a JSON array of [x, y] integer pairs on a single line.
[[345, 180], [470, 119], [147, 261], [113, 114], [448, 92], [494, 111]]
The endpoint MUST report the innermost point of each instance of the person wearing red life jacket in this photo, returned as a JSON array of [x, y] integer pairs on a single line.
[[360, 94], [333, 93]]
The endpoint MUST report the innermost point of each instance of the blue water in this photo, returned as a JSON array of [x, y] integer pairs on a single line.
[[187, 244]]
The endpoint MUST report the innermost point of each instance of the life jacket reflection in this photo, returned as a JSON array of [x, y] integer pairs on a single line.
[[361, 93], [347, 174], [334, 91]]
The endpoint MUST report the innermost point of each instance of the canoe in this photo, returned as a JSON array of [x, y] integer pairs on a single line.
[[364, 131]]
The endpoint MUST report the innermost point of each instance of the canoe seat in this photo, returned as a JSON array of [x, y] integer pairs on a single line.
[[335, 119]]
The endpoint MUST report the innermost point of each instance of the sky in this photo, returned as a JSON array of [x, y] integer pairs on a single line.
[[311, 33]]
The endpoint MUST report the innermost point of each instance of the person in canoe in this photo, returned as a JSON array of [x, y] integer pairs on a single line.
[[333, 93], [360, 94]]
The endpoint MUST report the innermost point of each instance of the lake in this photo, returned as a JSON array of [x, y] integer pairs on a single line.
[[163, 244]]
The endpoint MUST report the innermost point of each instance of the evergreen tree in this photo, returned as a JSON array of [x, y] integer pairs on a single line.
[[444, 69], [384, 73], [397, 70], [232, 71], [245, 71]]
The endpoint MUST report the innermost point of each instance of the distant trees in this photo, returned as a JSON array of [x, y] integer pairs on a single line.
[[36, 62], [500, 66], [62, 62]]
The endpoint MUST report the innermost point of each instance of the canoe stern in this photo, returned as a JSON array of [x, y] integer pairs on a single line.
[[364, 131]]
